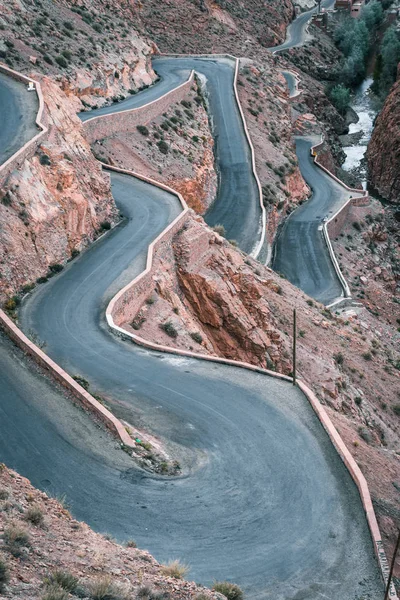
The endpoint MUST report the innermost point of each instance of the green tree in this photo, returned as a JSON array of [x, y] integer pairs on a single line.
[[340, 98]]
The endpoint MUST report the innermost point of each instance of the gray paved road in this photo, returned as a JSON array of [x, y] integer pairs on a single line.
[[18, 110], [267, 503], [300, 250], [237, 205], [297, 31]]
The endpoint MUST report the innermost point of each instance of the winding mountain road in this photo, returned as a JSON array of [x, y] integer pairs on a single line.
[[18, 110], [265, 500], [300, 251], [237, 204], [296, 33]]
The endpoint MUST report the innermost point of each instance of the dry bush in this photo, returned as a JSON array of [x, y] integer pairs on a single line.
[[175, 569]]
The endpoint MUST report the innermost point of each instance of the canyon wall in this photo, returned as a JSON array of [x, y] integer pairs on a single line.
[[383, 154], [55, 202]]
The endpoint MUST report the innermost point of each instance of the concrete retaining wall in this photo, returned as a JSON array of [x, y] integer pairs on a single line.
[[103, 126], [87, 400], [334, 225], [30, 148]]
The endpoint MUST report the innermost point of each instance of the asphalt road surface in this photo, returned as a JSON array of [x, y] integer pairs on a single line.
[[237, 204], [18, 110], [296, 33], [265, 501], [300, 250]]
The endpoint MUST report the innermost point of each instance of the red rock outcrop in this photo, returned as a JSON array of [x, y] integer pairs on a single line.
[[55, 203], [383, 154]]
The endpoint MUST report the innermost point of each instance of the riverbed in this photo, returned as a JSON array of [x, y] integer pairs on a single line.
[[364, 104]]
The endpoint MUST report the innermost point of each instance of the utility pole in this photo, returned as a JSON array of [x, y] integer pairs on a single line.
[[392, 567], [294, 346], [319, 6]]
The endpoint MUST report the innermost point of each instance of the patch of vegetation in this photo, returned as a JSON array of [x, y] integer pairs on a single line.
[[396, 409], [81, 381], [44, 160], [367, 355], [106, 589], [4, 574], [163, 146], [197, 337], [55, 592], [231, 591], [338, 358], [175, 569], [34, 515], [61, 61], [105, 225], [63, 579], [15, 538], [143, 130], [169, 329], [220, 229]]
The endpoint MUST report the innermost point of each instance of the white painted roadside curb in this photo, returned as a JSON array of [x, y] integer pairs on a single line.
[[260, 244]]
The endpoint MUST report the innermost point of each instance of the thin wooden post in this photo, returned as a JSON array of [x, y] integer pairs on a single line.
[[392, 567], [294, 346]]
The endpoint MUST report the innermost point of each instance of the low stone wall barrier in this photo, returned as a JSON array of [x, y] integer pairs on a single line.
[[62, 377], [124, 121], [28, 149]]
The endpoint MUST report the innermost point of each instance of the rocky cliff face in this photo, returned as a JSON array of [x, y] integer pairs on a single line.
[[56, 203], [383, 154], [215, 26], [91, 52]]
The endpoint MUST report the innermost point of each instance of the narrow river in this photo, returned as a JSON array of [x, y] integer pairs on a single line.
[[364, 104]]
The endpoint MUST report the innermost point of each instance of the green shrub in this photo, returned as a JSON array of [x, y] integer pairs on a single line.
[[45, 160], [81, 381], [4, 574], [396, 409], [338, 358], [197, 337], [34, 515], [105, 225], [62, 61], [130, 544], [63, 579], [68, 25], [67, 54], [229, 590], [163, 146], [56, 267], [55, 592], [48, 59], [175, 569], [220, 229], [169, 329], [41, 280], [367, 355], [105, 589], [15, 538], [143, 130]]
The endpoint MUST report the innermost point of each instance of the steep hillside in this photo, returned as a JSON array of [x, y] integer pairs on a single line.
[[46, 554], [59, 200], [383, 154], [215, 25], [86, 48]]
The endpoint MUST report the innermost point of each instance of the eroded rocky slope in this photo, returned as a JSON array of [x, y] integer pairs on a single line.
[[383, 154], [45, 553], [215, 26]]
